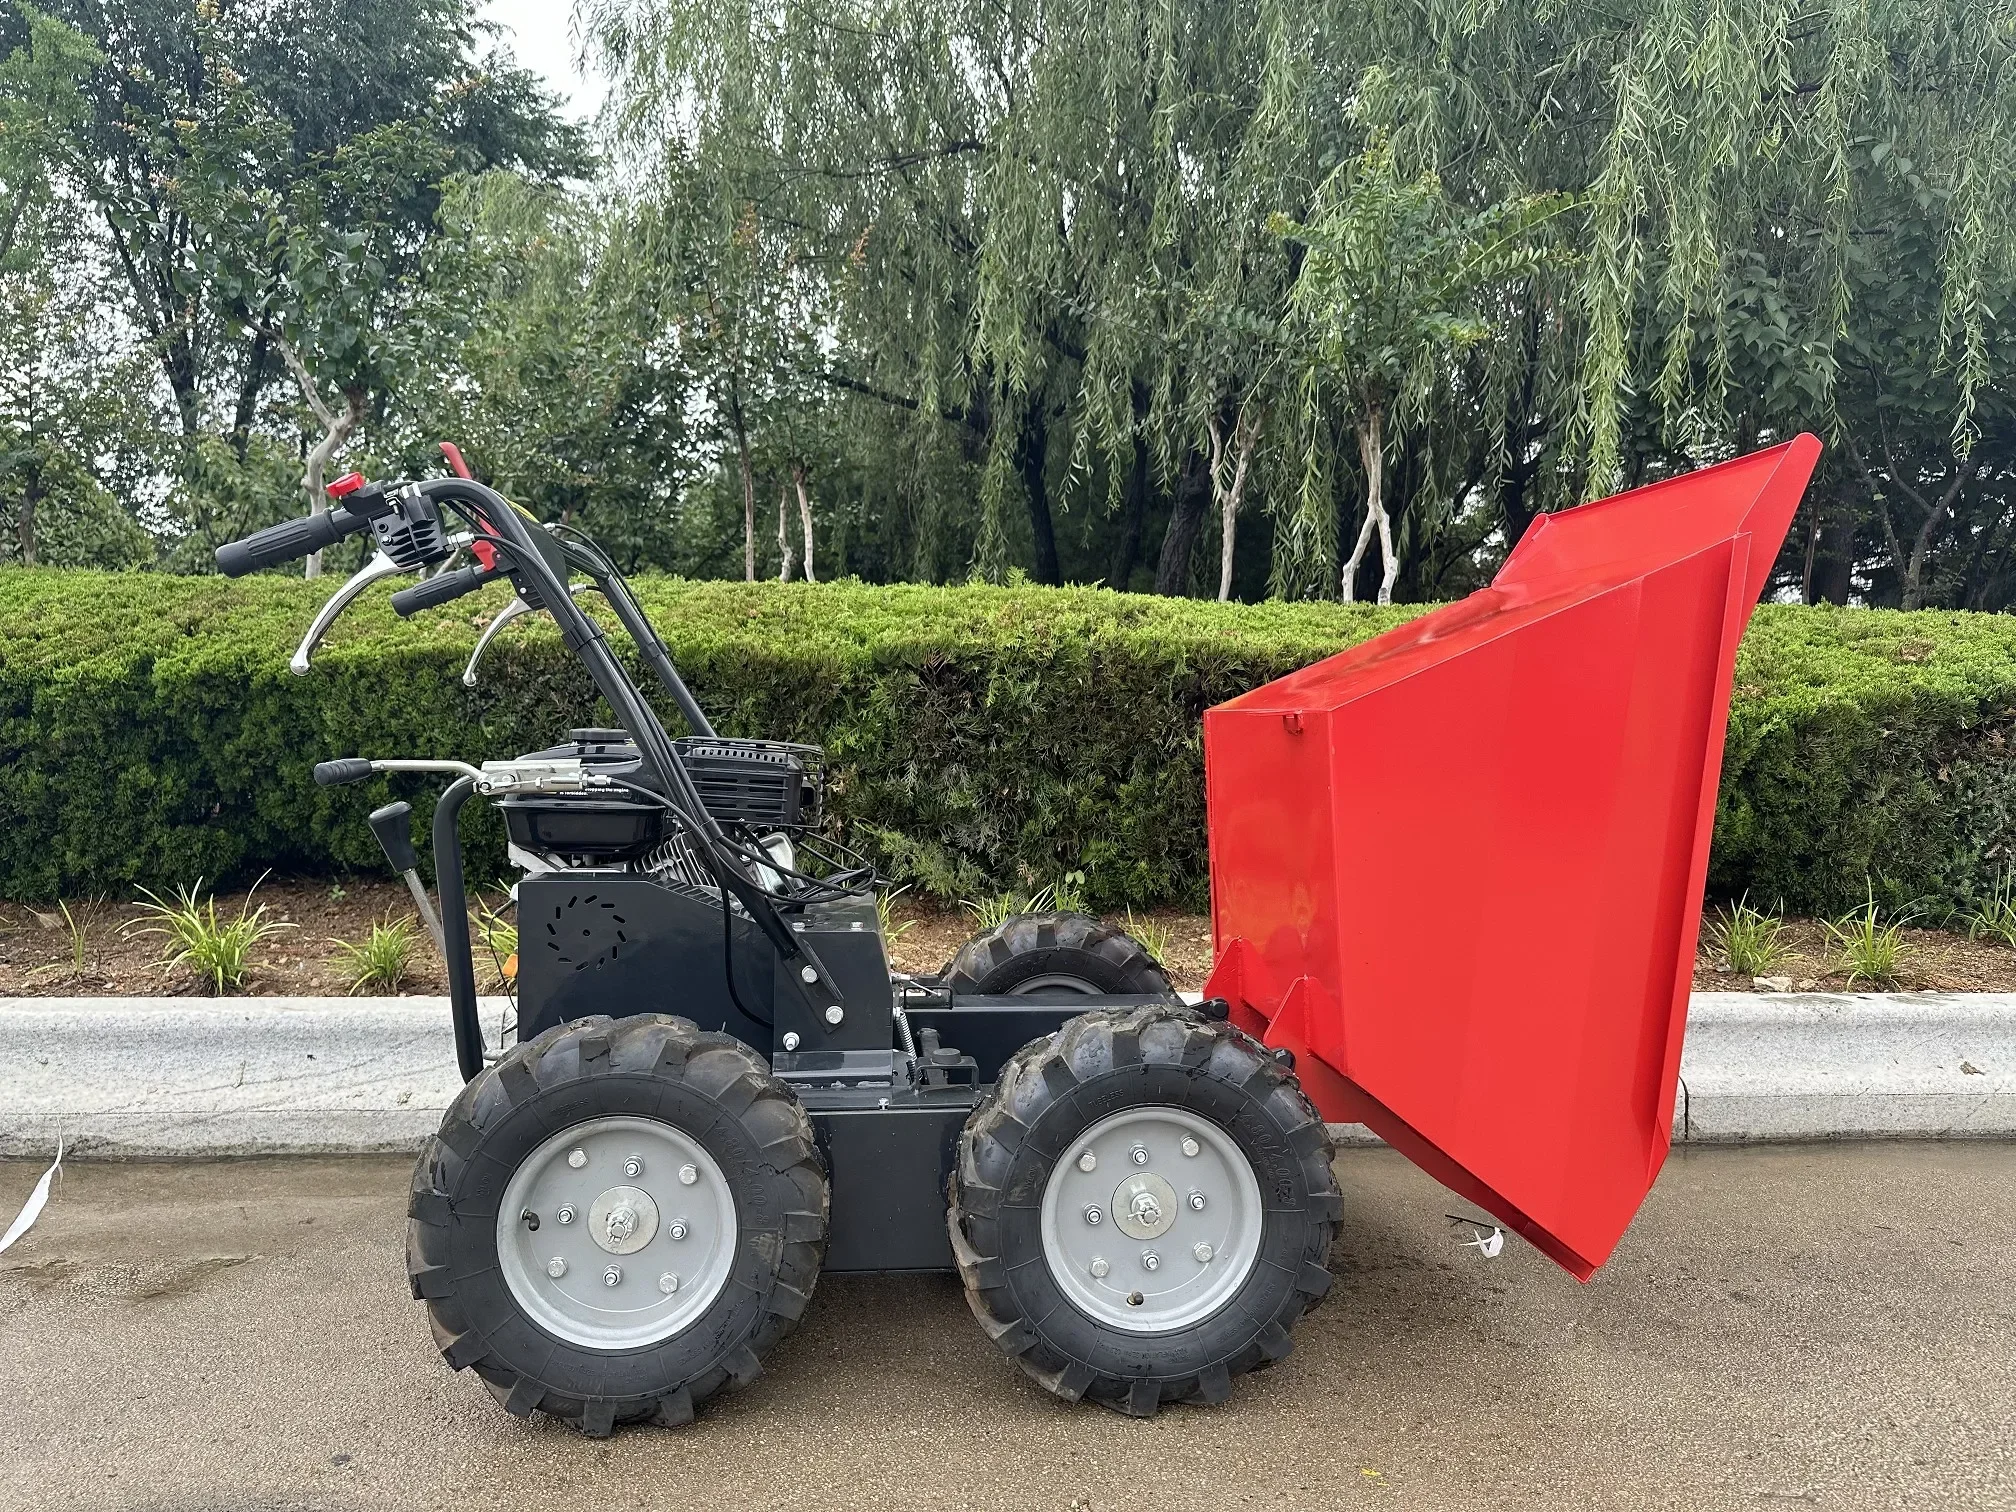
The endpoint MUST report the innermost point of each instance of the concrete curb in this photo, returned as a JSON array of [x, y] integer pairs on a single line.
[[195, 1077]]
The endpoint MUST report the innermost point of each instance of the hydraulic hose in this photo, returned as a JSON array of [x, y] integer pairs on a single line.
[[455, 951]]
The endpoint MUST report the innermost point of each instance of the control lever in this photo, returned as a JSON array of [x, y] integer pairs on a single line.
[[380, 566], [393, 825], [516, 609]]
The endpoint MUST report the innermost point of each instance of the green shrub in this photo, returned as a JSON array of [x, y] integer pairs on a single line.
[[981, 739]]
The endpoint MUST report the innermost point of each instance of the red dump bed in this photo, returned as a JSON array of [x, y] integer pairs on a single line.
[[1458, 869]]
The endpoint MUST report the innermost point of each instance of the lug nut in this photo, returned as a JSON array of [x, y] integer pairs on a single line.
[[1088, 1161], [1203, 1254], [807, 975], [577, 1158], [612, 1276], [688, 1174], [566, 1213], [1190, 1146], [1196, 1202], [1150, 1260], [1099, 1267], [835, 1014], [791, 1040], [1138, 1155], [668, 1283], [677, 1228], [1093, 1216], [633, 1167], [556, 1267]]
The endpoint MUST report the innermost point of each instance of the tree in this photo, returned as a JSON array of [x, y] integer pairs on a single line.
[[1390, 294]]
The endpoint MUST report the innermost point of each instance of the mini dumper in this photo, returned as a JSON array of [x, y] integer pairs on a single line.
[[718, 1089]]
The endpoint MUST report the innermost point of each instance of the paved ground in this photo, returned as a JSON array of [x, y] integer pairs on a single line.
[[1827, 1326]]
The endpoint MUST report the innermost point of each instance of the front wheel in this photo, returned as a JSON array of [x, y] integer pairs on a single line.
[[617, 1220], [1143, 1208]]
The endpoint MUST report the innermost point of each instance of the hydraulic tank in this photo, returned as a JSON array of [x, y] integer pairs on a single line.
[[1458, 869]]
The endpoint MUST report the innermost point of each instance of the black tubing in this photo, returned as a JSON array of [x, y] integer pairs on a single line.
[[287, 541], [455, 928]]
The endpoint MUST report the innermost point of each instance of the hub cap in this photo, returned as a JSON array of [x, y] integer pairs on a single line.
[[1158, 1260], [674, 1228]]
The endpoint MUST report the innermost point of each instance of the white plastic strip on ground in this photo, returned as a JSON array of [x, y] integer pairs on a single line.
[[32, 1208], [146, 1077]]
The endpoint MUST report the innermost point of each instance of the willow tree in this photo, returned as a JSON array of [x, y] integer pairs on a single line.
[[1038, 223]]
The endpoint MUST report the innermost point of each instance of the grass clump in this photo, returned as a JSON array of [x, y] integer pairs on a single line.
[[196, 937], [1995, 917], [1065, 895], [1868, 947], [1150, 936], [1749, 941], [383, 958]]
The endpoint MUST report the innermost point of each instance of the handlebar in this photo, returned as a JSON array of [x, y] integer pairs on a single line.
[[344, 769], [442, 589], [288, 540]]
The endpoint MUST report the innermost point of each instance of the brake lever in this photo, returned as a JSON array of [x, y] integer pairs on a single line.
[[516, 609], [380, 566]]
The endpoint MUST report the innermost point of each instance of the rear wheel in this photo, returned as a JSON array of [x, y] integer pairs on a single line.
[[617, 1220], [1056, 954], [1143, 1208]]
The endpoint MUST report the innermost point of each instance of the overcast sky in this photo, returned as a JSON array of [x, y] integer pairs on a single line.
[[538, 33]]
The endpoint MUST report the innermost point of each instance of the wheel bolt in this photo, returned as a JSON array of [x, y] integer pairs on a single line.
[[1093, 1216], [1138, 1155], [1088, 1161], [633, 1167], [612, 1276], [1190, 1146], [566, 1213], [668, 1283], [688, 1174], [1196, 1202], [556, 1267], [577, 1158], [677, 1228], [1099, 1267], [1203, 1254], [1150, 1260]]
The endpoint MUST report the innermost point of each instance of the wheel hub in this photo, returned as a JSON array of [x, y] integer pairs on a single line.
[[623, 1220], [1185, 1227], [675, 1214]]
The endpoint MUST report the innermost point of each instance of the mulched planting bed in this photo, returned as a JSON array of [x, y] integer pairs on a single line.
[[38, 952]]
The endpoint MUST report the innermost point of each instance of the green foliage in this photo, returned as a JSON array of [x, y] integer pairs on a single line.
[[885, 914], [1749, 940], [1868, 947], [1994, 918], [499, 938], [381, 960], [1150, 936], [980, 738], [193, 935]]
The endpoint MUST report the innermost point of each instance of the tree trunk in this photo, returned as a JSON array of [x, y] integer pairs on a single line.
[[1134, 501], [804, 516], [31, 496], [1229, 492], [1186, 520], [748, 482], [336, 429], [1372, 455], [783, 535], [247, 408], [1032, 458]]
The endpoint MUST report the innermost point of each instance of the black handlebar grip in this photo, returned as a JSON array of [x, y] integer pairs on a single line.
[[286, 541], [393, 825], [336, 773], [440, 589]]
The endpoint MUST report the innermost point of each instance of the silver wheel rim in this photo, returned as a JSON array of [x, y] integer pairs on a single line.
[[1175, 1234], [636, 1219]]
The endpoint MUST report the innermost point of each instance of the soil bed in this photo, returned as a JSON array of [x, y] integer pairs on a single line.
[[38, 953]]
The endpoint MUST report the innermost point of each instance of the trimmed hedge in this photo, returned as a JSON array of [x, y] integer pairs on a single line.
[[980, 737]]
